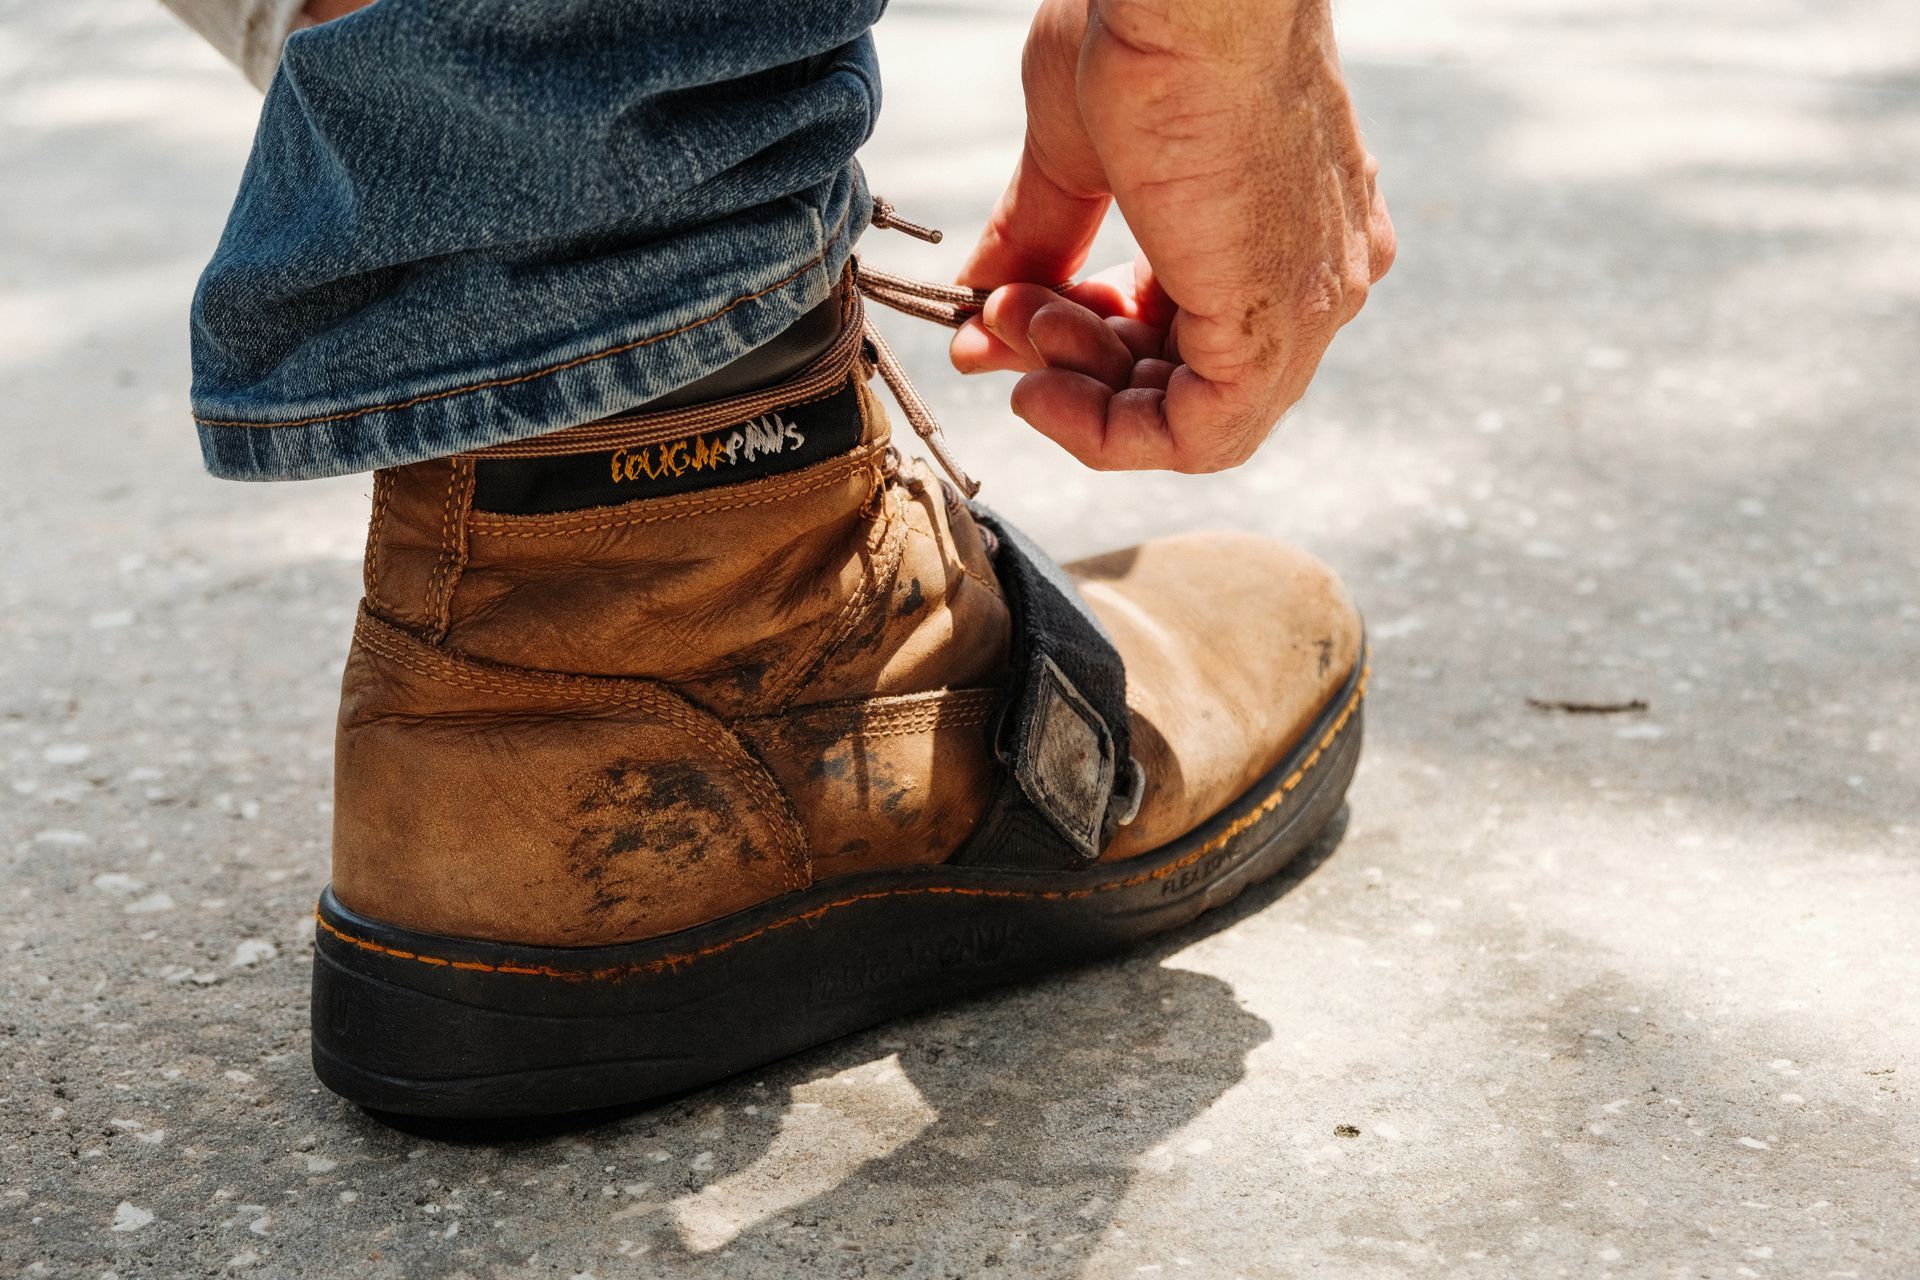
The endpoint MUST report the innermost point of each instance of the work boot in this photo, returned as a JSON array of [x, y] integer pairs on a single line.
[[684, 740]]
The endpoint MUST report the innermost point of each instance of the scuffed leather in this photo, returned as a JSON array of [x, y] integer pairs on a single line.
[[490, 803], [884, 782], [842, 628], [1233, 644], [600, 726]]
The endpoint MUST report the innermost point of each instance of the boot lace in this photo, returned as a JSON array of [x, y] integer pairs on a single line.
[[951, 305]]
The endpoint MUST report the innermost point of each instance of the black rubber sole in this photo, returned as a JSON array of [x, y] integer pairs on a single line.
[[424, 1025]]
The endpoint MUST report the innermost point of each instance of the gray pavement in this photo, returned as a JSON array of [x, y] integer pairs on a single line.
[[1589, 995]]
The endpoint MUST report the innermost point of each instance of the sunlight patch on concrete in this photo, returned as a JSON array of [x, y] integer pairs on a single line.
[[834, 1126]]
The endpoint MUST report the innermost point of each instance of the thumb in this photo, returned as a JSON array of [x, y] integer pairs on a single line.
[[1039, 231]]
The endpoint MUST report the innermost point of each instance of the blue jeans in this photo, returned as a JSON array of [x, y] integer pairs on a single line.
[[468, 221]]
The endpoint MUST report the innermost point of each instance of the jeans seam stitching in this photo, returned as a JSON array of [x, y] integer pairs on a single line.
[[517, 379]]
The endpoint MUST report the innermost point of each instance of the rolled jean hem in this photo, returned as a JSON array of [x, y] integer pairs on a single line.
[[517, 404]]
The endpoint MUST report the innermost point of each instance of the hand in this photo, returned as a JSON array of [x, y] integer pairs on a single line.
[[1224, 131]]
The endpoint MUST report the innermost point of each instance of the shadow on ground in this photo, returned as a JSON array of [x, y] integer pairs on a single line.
[[1032, 1106]]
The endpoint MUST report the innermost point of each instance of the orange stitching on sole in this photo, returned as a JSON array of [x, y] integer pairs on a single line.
[[1259, 811], [564, 365]]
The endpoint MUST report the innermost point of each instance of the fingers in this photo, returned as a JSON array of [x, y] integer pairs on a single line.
[[1151, 375], [1142, 340], [975, 350], [1110, 388], [1005, 333], [1216, 425], [998, 337], [1107, 293], [1107, 430], [1045, 220], [1068, 408], [1038, 230], [1099, 380], [1067, 336], [1166, 418]]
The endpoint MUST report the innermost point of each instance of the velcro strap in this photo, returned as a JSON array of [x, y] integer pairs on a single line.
[[1065, 737]]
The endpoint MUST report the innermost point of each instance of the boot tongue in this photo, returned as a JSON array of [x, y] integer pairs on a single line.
[[770, 441]]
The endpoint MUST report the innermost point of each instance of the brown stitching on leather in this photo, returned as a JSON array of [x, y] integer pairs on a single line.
[[987, 580], [376, 530], [988, 583], [881, 717], [961, 561], [561, 367], [436, 630], [392, 644], [469, 479], [654, 510], [1271, 801], [876, 587], [751, 774], [790, 680], [401, 649], [452, 561]]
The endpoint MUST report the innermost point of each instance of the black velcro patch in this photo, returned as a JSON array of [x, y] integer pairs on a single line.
[[776, 441]]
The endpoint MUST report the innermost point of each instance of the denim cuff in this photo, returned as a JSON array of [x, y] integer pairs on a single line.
[[600, 374], [463, 224]]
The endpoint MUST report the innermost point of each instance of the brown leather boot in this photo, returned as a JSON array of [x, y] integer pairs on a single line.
[[681, 741]]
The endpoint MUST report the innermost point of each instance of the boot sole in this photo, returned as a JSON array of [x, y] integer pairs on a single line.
[[424, 1025]]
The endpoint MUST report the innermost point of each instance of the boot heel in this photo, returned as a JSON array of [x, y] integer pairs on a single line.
[[418, 1024]]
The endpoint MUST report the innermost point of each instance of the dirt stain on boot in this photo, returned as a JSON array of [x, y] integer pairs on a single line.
[[647, 825], [916, 599]]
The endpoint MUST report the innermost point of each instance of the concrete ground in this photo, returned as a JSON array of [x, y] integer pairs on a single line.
[[1588, 995]]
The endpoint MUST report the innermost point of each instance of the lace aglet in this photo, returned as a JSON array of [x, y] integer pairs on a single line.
[[886, 217], [937, 445]]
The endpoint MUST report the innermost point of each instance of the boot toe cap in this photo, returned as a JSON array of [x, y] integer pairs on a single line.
[[1233, 645]]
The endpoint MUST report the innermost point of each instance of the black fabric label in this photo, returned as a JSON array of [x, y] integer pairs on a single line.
[[777, 441]]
